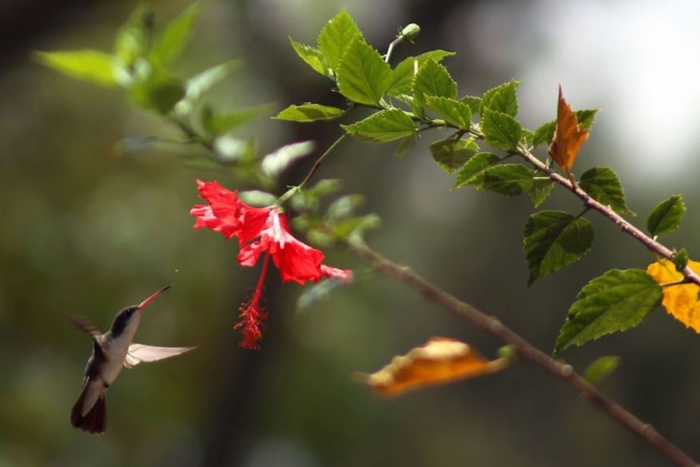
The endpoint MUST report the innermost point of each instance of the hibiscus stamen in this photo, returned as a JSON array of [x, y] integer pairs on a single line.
[[252, 315]]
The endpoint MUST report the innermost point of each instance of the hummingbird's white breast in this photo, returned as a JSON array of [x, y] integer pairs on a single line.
[[118, 346]]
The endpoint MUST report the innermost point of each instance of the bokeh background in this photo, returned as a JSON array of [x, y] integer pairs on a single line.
[[87, 231]]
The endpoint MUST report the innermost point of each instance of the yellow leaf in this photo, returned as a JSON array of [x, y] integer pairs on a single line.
[[568, 136], [440, 361], [681, 301]]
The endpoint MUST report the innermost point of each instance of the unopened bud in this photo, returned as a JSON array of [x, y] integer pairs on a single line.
[[410, 32]]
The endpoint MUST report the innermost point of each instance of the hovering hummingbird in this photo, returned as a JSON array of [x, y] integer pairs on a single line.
[[111, 351]]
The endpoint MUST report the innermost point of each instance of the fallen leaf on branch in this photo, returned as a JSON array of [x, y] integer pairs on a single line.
[[681, 300], [569, 135], [440, 361]]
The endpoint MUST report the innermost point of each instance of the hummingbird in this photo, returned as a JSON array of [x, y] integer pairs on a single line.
[[111, 352]]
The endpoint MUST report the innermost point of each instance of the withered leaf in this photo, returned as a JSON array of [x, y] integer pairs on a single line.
[[681, 301], [569, 135], [440, 361]]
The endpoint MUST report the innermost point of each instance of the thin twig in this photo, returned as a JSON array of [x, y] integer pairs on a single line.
[[607, 211], [624, 225], [526, 350]]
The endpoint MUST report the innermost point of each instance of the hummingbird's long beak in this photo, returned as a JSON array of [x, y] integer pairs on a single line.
[[144, 303]]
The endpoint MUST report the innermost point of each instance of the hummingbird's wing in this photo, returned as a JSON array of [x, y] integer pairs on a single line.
[[139, 353], [84, 324]]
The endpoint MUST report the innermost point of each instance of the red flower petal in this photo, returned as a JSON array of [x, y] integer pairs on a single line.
[[250, 253], [295, 260], [227, 214], [335, 273]]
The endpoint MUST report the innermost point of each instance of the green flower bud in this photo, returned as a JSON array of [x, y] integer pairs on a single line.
[[410, 32]]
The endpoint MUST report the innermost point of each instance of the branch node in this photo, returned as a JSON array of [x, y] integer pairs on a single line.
[[566, 370]]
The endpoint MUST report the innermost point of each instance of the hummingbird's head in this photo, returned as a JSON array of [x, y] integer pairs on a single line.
[[123, 318], [131, 315]]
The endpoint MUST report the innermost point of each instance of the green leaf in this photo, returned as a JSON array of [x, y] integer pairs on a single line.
[[451, 154], [159, 92], [474, 168], [406, 145], [666, 217], [506, 179], [586, 117], [680, 260], [336, 36], [601, 368], [139, 143], [452, 111], [500, 130], [541, 188], [317, 293], [202, 82], [474, 104], [344, 206], [320, 238], [433, 79], [176, 35], [402, 75], [355, 226], [603, 186], [221, 123], [383, 126], [616, 301], [87, 65], [231, 150], [544, 134], [324, 187], [309, 112], [526, 137], [312, 56], [257, 198], [363, 76], [134, 38], [279, 160], [554, 240], [501, 99]]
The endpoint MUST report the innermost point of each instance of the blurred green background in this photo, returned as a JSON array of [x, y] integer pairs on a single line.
[[87, 231]]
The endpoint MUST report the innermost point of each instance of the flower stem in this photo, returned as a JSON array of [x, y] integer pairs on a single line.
[[320, 160], [283, 199]]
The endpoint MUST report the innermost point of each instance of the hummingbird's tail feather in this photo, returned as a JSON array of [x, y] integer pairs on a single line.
[[95, 421]]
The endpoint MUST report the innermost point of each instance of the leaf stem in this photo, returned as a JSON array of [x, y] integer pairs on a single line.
[[683, 281], [556, 368]]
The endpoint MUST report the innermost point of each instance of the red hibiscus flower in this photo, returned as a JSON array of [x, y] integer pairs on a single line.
[[260, 230]]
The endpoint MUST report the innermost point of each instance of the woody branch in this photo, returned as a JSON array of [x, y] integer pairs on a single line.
[[495, 327]]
